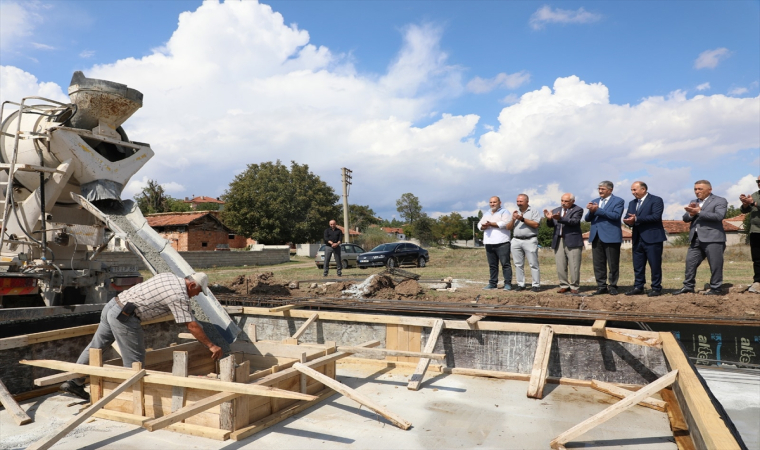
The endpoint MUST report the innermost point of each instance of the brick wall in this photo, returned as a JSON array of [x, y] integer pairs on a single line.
[[200, 260]]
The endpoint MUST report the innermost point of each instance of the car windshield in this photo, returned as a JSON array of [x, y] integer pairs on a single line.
[[385, 248]]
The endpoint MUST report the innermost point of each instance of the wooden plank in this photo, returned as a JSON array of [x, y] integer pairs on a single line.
[[599, 326], [49, 441], [283, 308], [609, 388], [678, 424], [193, 430], [96, 384], [280, 416], [614, 410], [188, 411], [413, 342], [632, 337], [416, 379], [241, 403], [302, 330], [386, 352], [278, 349], [19, 415], [473, 319], [541, 363], [34, 393], [227, 373], [290, 341], [304, 379], [391, 339], [353, 395], [179, 369], [707, 420], [169, 380], [119, 416], [138, 401], [56, 379]]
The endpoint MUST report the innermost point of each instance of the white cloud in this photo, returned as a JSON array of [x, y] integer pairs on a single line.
[[510, 81], [135, 186], [39, 46], [546, 14], [510, 99], [709, 59], [703, 87], [87, 53], [16, 84], [746, 185], [738, 91]]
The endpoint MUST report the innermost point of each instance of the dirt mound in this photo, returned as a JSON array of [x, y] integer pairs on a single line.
[[336, 289], [379, 283], [409, 288], [254, 284]]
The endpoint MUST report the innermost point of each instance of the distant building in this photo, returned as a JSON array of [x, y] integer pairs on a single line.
[[196, 231], [195, 201], [627, 236], [398, 233], [673, 228]]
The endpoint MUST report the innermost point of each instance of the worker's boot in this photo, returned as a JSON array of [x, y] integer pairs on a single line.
[[73, 388]]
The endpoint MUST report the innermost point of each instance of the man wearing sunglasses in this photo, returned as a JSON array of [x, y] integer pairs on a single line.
[[751, 205]]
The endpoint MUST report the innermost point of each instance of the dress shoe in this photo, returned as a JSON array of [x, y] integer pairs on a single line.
[[72, 388], [563, 290], [489, 287], [713, 292], [574, 292], [654, 293], [519, 288], [600, 291], [635, 291], [612, 290], [755, 288], [535, 289], [683, 290]]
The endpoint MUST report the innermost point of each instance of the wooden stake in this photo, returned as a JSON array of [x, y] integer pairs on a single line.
[[614, 410], [138, 391], [599, 326], [304, 380], [619, 392], [308, 322], [541, 363], [49, 441], [241, 403], [57, 378], [227, 373], [179, 369], [353, 395], [19, 415], [416, 379], [96, 384], [250, 330], [473, 319], [283, 308]]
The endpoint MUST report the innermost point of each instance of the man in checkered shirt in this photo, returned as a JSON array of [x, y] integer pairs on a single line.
[[160, 296]]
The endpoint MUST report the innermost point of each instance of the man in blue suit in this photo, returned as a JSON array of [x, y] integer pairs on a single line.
[[605, 236], [645, 218]]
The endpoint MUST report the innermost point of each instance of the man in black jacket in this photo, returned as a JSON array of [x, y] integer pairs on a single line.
[[567, 243], [333, 238]]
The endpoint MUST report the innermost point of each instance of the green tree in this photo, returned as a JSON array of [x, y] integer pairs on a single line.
[[393, 223], [545, 233], [732, 211], [451, 227], [362, 216], [208, 206], [177, 205], [423, 229], [277, 205], [153, 199], [408, 206]]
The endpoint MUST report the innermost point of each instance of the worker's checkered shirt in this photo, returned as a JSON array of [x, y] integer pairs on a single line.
[[163, 294]]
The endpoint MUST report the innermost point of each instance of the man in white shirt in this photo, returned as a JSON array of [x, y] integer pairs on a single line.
[[496, 225]]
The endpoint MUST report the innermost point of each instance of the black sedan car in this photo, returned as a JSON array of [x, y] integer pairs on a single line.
[[394, 255]]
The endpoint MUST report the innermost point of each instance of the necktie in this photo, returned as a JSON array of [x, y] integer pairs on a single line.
[[562, 226], [604, 202], [638, 205]]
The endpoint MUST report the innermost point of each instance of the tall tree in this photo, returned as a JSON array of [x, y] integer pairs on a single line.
[[153, 199], [362, 216], [423, 229], [451, 227], [277, 205], [408, 206]]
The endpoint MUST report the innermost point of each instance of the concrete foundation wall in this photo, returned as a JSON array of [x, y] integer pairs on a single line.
[[199, 260]]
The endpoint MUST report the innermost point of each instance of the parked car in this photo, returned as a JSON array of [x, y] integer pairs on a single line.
[[394, 255], [348, 254]]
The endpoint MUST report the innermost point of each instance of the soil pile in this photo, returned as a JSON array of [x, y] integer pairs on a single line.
[[409, 288], [336, 289], [255, 284]]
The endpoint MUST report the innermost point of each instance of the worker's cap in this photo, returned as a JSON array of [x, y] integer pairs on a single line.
[[201, 279]]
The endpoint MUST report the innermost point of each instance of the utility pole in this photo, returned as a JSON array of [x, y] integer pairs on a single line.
[[346, 177]]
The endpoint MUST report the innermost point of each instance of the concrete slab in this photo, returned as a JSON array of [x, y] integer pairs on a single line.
[[450, 411], [739, 393]]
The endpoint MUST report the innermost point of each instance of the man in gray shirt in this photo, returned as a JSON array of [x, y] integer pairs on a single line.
[[524, 226]]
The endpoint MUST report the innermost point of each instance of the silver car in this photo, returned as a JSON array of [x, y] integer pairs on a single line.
[[348, 254]]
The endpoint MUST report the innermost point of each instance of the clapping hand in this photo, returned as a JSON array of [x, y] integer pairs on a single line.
[[516, 216], [630, 220], [746, 200], [592, 207], [547, 214], [693, 209]]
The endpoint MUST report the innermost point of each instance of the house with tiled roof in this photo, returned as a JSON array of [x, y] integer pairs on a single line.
[[627, 236], [674, 228], [196, 201], [196, 231]]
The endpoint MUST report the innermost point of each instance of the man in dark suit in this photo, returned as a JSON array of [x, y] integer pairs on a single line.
[[605, 236], [567, 243], [707, 238], [645, 218]]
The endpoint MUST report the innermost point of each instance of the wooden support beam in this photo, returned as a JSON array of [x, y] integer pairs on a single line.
[[138, 392], [416, 379], [617, 408], [226, 410], [290, 341], [609, 388], [283, 308], [96, 384], [599, 326], [387, 352], [632, 337], [179, 369], [19, 415], [473, 319], [188, 411], [308, 322], [250, 330], [541, 363], [154, 377], [56, 379], [353, 395], [304, 380], [240, 404], [49, 441]]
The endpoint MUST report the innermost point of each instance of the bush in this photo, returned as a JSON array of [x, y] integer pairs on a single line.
[[682, 240], [371, 237]]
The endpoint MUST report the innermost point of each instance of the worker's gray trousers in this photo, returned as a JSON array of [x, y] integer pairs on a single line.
[[523, 249], [128, 335]]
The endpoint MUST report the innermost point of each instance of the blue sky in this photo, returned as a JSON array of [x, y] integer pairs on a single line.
[[452, 101]]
